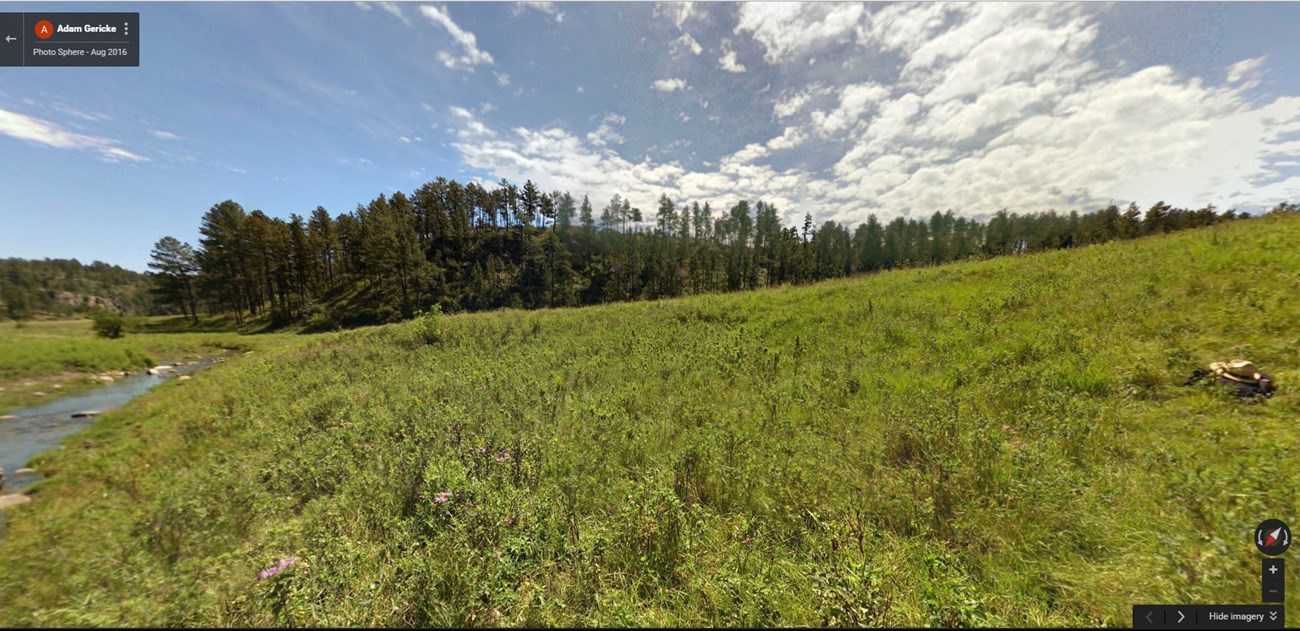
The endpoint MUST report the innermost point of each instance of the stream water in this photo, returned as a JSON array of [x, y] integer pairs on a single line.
[[40, 427]]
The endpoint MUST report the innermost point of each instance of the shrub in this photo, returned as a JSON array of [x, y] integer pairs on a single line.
[[108, 324], [429, 325]]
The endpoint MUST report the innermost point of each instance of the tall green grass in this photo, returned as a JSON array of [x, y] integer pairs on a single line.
[[995, 443]]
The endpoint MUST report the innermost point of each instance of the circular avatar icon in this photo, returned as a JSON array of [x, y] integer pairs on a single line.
[[1272, 537], [44, 29]]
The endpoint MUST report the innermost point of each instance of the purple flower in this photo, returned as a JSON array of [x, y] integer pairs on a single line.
[[503, 457], [511, 522], [284, 564], [442, 497]]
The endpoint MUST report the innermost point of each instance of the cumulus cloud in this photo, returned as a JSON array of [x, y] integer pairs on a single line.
[[793, 104], [728, 59], [855, 100], [548, 8], [606, 133], [684, 43], [792, 137], [471, 55], [42, 132], [990, 106], [669, 85], [787, 29], [678, 12], [558, 160]]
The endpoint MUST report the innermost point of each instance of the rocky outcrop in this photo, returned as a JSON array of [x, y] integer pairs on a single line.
[[84, 300]]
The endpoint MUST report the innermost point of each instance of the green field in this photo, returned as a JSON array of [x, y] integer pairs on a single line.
[[1003, 442], [61, 357]]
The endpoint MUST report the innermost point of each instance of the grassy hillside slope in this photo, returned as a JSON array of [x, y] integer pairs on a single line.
[[993, 443]]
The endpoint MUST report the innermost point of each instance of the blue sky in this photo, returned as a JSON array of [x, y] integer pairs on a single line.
[[840, 110]]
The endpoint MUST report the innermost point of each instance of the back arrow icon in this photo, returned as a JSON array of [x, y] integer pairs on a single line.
[[1149, 621], [10, 38]]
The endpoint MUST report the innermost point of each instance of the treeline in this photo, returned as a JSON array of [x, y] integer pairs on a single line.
[[470, 247], [66, 287]]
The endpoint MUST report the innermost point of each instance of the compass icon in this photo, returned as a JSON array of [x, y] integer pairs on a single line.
[[1272, 537]]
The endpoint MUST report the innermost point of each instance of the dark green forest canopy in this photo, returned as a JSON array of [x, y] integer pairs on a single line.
[[470, 247]]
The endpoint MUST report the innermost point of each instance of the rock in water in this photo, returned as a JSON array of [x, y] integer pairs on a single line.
[[13, 500], [86, 414], [153, 371], [8, 418], [25, 471]]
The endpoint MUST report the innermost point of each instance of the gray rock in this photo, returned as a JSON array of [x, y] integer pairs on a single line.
[[152, 371], [8, 417], [25, 471], [13, 500], [86, 414]]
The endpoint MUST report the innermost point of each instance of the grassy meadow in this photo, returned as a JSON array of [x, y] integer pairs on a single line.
[[62, 356], [1004, 442]]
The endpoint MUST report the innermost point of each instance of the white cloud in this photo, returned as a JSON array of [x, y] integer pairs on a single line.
[[486, 107], [669, 85], [163, 134], [792, 137], [548, 8], [791, 105], [395, 10], [93, 117], [1244, 68], [678, 12], [606, 134], [685, 42], [728, 59], [991, 106], [38, 131], [503, 79], [472, 55], [855, 100], [787, 29], [581, 89], [557, 160]]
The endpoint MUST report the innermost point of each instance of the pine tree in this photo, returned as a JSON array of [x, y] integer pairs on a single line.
[[588, 223]]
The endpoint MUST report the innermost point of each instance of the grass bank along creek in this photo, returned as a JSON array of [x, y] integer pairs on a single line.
[[26, 432]]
